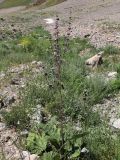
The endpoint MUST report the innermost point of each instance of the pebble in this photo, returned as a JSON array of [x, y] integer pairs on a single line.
[[84, 150], [116, 124], [112, 75], [27, 156], [2, 126], [2, 75]]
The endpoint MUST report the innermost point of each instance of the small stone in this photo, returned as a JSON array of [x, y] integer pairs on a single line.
[[27, 156], [84, 150], [39, 64], [2, 126], [2, 75], [9, 100], [34, 157], [24, 133], [112, 75], [15, 81], [49, 21], [34, 62], [39, 116], [78, 128], [116, 124], [86, 35]]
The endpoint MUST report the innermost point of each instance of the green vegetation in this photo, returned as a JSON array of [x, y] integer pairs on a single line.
[[14, 3], [24, 49], [111, 59], [51, 3], [64, 103], [111, 50], [52, 139]]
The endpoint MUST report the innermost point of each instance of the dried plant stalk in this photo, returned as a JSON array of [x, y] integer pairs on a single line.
[[57, 52], [69, 30]]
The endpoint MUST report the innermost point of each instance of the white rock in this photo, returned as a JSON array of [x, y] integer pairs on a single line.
[[116, 124], [95, 60], [112, 74], [39, 64], [2, 126], [34, 157], [37, 116], [2, 75], [49, 20], [27, 156], [34, 62], [84, 150], [25, 132], [78, 128]]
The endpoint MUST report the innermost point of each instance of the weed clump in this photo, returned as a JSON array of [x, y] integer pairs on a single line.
[[111, 50]]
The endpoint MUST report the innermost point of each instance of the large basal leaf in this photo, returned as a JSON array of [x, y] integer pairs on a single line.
[[36, 143]]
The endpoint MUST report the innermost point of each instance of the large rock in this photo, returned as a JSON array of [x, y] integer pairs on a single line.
[[95, 60]]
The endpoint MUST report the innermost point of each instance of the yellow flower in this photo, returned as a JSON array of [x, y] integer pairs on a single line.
[[25, 42]]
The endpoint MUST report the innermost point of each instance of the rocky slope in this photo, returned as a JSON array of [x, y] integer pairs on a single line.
[[97, 19]]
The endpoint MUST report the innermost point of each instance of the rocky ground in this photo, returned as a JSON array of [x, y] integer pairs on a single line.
[[16, 79], [98, 19]]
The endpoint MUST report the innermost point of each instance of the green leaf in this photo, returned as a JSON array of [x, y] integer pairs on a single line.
[[50, 156], [76, 154], [36, 143], [41, 143]]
